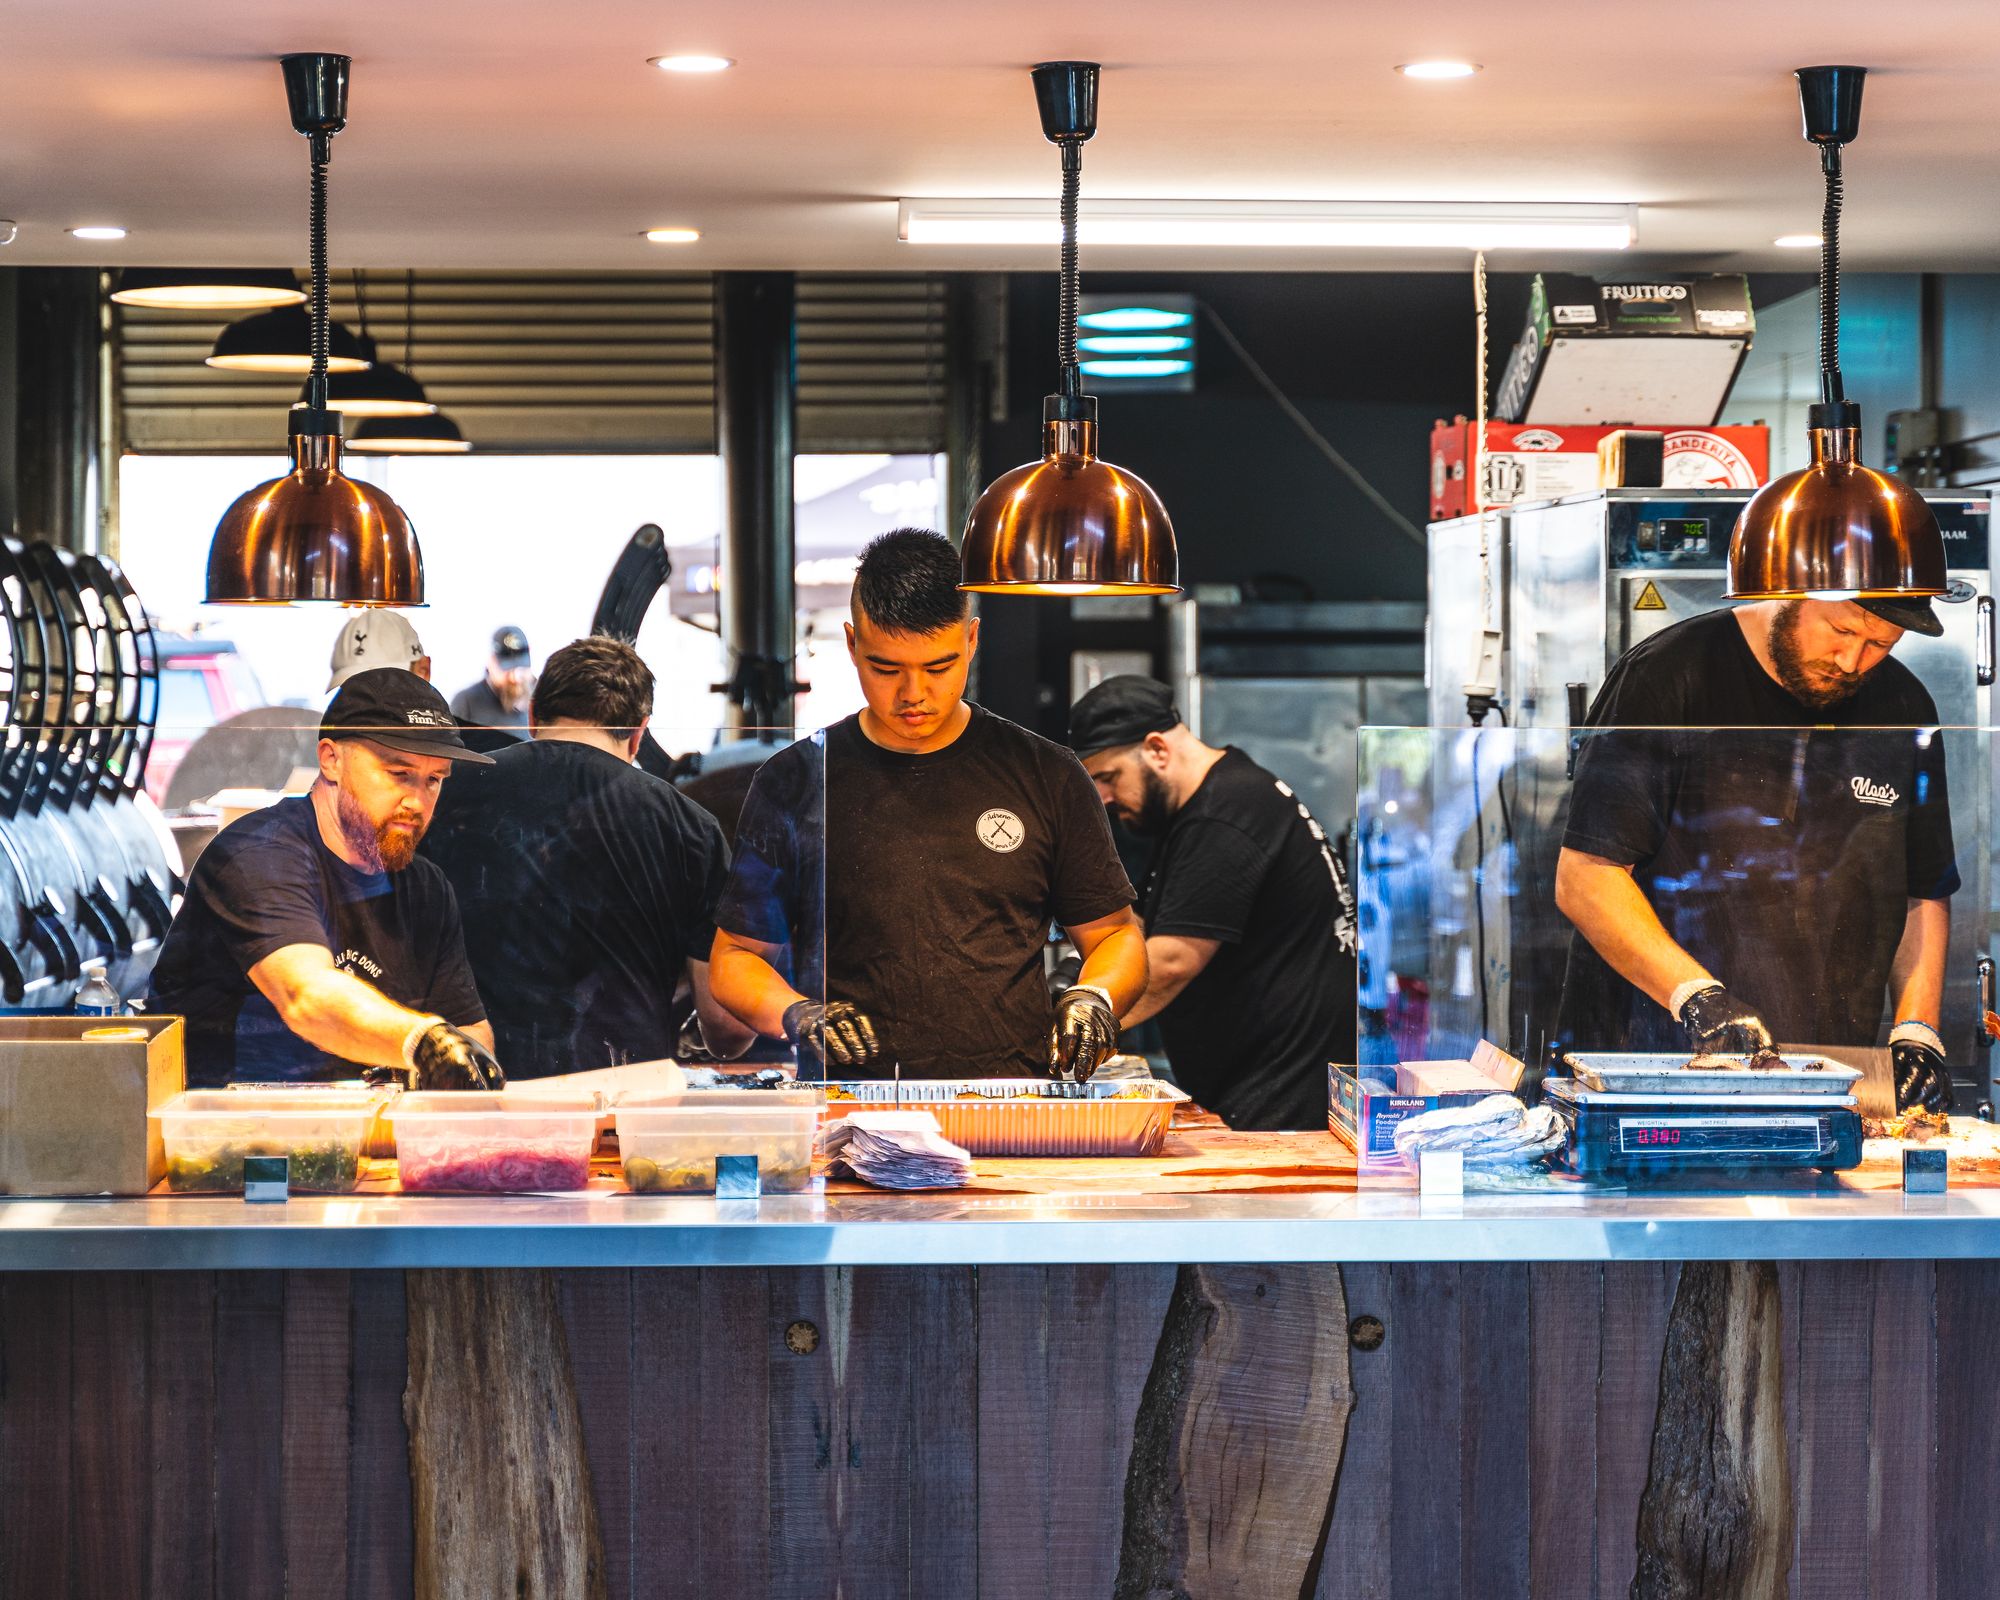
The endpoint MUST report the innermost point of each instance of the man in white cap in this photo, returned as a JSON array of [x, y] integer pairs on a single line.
[[377, 638]]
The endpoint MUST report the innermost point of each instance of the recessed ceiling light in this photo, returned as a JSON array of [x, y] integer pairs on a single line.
[[672, 235], [1438, 69], [97, 233], [1798, 241], [693, 63]]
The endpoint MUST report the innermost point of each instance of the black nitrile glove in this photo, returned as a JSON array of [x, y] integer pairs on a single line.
[[450, 1058], [1719, 1024], [1922, 1077], [1083, 1034], [837, 1032]]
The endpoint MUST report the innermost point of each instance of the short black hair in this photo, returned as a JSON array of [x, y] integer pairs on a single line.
[[599, 681], [908, 582]]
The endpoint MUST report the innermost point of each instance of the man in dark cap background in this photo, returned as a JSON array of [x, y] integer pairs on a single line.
[[313, 942], [501, 698], [1248, 915]]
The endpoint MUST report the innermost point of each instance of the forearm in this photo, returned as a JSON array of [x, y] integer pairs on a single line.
[[1917, 977], [1170, 967], [749, 988], [1116, 963], [350, 1018], [724, 1034], [1606, 906]]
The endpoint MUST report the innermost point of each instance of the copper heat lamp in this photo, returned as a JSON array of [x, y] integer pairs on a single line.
[[316, 534], [1069, 523], [1835, 530]]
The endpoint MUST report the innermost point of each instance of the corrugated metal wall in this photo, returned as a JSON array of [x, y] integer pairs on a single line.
[[596, 362]]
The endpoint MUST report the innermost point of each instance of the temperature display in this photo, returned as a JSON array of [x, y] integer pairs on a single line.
[[1711, 1136]]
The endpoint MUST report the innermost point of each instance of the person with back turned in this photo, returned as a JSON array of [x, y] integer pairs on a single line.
[[313, 943], [896, 877], [1250, 930], [1759, 842]]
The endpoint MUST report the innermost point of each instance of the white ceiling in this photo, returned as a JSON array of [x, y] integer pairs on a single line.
[[520, 133]]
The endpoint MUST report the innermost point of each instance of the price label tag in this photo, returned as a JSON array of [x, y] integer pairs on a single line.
[[267, 1178], [1441, 1172]]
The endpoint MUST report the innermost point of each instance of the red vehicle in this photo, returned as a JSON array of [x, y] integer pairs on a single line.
[[202, 682]]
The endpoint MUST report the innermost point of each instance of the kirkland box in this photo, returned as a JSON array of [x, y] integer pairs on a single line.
[[1526, 462], [1365, 1105], [1619, 352], [75, 1093]]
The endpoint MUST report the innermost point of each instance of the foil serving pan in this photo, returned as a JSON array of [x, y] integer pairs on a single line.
[[1026, 1116], [1804, 1073]]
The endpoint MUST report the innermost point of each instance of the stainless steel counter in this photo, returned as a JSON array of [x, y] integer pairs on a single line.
[[617, 1230]]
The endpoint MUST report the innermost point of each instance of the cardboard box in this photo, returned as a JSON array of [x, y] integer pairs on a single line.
[[1543, 463], [1617, 352], [73, 1111]]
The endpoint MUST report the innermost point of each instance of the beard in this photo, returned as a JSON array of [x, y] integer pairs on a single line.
[[1814, 683], [1156, 807], [387, 848]]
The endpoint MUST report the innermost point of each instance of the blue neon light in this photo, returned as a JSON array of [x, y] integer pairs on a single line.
[[1135, 344], [1157, 367], [1134, 319]]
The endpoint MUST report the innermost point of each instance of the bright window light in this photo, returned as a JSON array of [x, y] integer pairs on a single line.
[[97, 233], [1134, 319], [1438, 69], [693, 64], [1134, 344], [1455, 225], [1138, 368]]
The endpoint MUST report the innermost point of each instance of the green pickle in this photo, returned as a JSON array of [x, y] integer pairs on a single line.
[[697, 1176], [326, 1168]]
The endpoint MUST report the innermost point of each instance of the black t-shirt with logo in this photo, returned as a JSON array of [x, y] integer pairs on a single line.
[[1779, 843], [586, 886], [1245, 863], [922, 887], [268, 881]]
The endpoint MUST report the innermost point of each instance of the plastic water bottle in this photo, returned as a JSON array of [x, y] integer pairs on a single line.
[[97, 998]]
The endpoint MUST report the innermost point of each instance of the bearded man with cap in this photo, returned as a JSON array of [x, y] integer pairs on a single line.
[[313, 943], [1250, 929], [501, 698], [377, 637], [1759, 842]]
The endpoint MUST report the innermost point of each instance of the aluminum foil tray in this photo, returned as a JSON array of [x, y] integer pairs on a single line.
[[1668, 1074], [1027, 1116]]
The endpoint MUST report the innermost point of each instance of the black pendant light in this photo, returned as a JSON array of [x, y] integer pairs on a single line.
[[431, 434], [316, 534], [1069, 524], [282, 341], [208, 288], [1835, 530]]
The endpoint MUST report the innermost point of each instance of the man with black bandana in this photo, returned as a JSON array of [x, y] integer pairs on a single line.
[[1249, 918], [1765, 807]]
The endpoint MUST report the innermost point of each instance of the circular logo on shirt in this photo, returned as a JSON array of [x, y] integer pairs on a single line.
[[1000, 830]]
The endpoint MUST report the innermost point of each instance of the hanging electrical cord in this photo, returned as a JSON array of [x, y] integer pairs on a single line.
[[1830, 387], [1402, 524]]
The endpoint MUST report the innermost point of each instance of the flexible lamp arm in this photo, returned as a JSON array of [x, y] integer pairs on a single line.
[[1830, 390], [1830, 109], [1072, 171], [316, 89], [1066, 95]]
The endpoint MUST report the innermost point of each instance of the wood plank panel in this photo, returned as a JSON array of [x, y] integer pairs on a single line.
[[1902, 1431], [1427, 1372], [1968, 1445], [380, 1529], [1356, 1560], [1086, 1457], [1791, 1281], [941, 1305], [1014, 1433], [35, 1502], [805, 1428], [596, 1309], [734, 1459], [1565, 1305], [1496, 1362], [109, 1457], [672, 1493], [1829, 1483], [250, 1435], [1637, 1298], [318, 1392], [180, 1403]]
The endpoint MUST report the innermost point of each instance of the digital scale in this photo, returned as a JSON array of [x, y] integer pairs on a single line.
[[1636, 1116]]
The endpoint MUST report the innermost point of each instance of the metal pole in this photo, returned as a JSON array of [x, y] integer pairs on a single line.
[[756, 390], [59, 480]]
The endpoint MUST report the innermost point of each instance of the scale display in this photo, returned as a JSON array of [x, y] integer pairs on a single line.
[[1705, 1137]]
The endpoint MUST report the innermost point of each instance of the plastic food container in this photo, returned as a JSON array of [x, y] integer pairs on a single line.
[[671, 1149], [209, 1132], [491, 1143]]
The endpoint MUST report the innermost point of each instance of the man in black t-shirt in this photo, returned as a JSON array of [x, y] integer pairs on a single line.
[[896, 876], [312, 943], [1250, 929], [588, 886], [1765, 805]]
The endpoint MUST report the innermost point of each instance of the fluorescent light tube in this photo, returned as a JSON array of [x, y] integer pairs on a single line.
[[1311, 224]]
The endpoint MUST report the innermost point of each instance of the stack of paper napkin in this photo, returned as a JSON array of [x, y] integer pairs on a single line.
[[895, 1150]]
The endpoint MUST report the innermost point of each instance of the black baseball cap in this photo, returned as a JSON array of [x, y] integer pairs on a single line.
[[395, 707], [1121, 711], [510, 646], [1912, 613]]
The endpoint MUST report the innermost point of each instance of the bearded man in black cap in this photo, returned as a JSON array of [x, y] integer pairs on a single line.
[[1249, 918], [1759, 843], [313, 944]]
